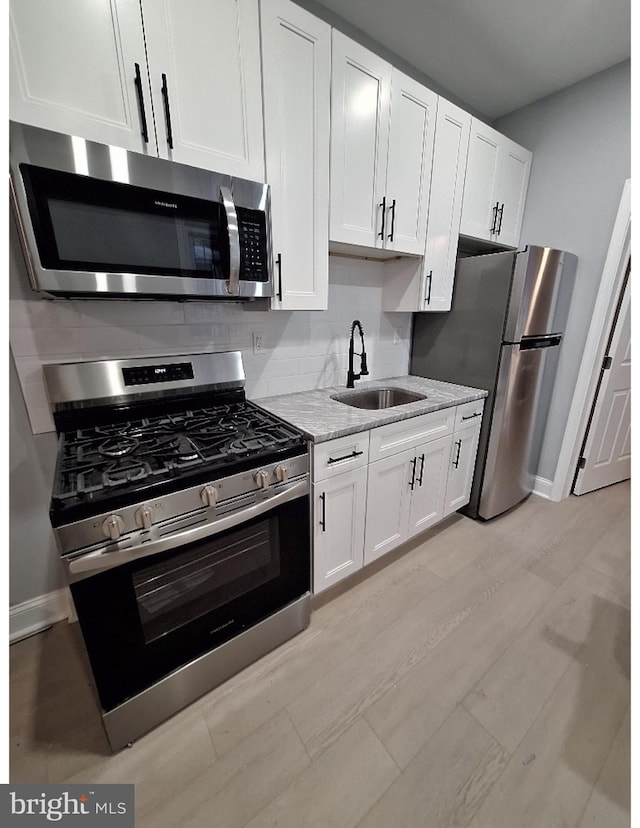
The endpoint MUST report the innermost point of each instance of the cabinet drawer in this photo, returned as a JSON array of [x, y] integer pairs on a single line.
[[395, 437], [469, 414], [337, 456]]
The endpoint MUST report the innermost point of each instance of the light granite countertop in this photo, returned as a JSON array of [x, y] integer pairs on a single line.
[[322, 418]]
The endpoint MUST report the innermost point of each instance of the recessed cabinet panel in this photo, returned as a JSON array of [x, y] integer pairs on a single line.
[[388, 503], [480, 191], [427, 497], [514, 178], [204, 65], [73, 70], [296, 65], [461, 467], [445, 206], [411, 136], [360, 83], [338, 527]]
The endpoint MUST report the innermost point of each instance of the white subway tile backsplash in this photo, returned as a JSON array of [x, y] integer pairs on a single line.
[[302, 350]]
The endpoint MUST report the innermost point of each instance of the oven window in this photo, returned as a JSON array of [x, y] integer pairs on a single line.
[[175, 592]]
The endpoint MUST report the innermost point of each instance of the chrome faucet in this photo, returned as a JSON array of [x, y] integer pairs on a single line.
[[363, 356]]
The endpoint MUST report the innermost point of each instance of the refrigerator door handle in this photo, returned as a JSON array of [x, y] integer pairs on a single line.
[[527, 343]]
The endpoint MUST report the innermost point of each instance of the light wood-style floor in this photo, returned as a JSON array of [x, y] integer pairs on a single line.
[[480, 678]]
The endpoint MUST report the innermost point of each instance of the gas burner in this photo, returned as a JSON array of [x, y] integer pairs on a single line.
[[118, 446], [119, 473]]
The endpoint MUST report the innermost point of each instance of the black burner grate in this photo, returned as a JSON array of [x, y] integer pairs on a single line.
[[127, 456]]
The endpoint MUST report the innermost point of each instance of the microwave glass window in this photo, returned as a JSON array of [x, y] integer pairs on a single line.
[[109, 237]]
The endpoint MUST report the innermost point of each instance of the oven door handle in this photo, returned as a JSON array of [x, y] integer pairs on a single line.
[[100, 561], [233, 285]]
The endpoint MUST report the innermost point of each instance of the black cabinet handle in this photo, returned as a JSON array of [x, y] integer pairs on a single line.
[[143, 115], [421, 469], [456, 462], [323, 519], [471, 416], [167, 110], [495, 217], [430, 281], [346, 457], [279, 266], [413, 473], [393, 218], [384, 210], [500, 225]]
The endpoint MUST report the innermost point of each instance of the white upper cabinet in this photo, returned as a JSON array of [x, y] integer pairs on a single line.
[[79, 68], [296, 65], [382, 133], [181, 81], [360, 88], [495, 187], [411, 135], [427, 285], [204, 69], [445, 206]]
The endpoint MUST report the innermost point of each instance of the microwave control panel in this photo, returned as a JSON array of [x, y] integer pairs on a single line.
[[252, 231]]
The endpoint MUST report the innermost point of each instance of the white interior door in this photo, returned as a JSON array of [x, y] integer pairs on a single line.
[[606, 457]]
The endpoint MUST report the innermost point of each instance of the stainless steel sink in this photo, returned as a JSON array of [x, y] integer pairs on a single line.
[[378, 398]]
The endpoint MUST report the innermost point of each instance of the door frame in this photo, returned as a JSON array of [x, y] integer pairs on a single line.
[[595, 347]]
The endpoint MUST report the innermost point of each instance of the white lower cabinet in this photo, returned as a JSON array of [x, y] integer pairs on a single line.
[[375, 490], [429, 485], [461, 464], [387, 504], [339, 505]]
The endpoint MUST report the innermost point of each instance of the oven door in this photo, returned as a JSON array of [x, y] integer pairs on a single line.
[[144, 619]]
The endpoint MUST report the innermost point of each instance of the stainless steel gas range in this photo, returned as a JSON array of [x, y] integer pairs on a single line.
[[181, 513]]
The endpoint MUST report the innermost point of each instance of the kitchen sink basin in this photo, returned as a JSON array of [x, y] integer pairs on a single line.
[[378, 398]]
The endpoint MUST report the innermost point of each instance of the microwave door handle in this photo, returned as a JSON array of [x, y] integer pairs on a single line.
[[233, 285]]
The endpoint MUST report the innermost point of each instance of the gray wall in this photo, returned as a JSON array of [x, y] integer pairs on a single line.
[[34, 566], [580, 139]]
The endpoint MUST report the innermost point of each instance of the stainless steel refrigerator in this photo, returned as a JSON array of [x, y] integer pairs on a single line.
[[503, 333]]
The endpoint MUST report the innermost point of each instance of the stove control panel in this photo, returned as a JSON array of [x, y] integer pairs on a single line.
[[147, 374]]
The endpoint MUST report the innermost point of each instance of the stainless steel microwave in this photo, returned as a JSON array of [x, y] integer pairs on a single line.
[[100, 221]]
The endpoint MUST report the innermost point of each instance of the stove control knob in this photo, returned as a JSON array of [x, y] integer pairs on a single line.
[[282, 474], [144, 517], [209, 495], [113, 527], [262, 479]]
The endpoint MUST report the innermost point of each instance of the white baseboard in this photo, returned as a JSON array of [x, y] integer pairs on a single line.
[[542, 487], [33, 616]]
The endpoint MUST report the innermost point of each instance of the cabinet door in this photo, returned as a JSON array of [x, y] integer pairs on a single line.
[[204, 65], [461, 466], [427, 497], [73, 70], [388, 501], [479, 216], [338, 527], [412, 126], [360, 83], [445, 206], [515, 166], [296, 65]]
